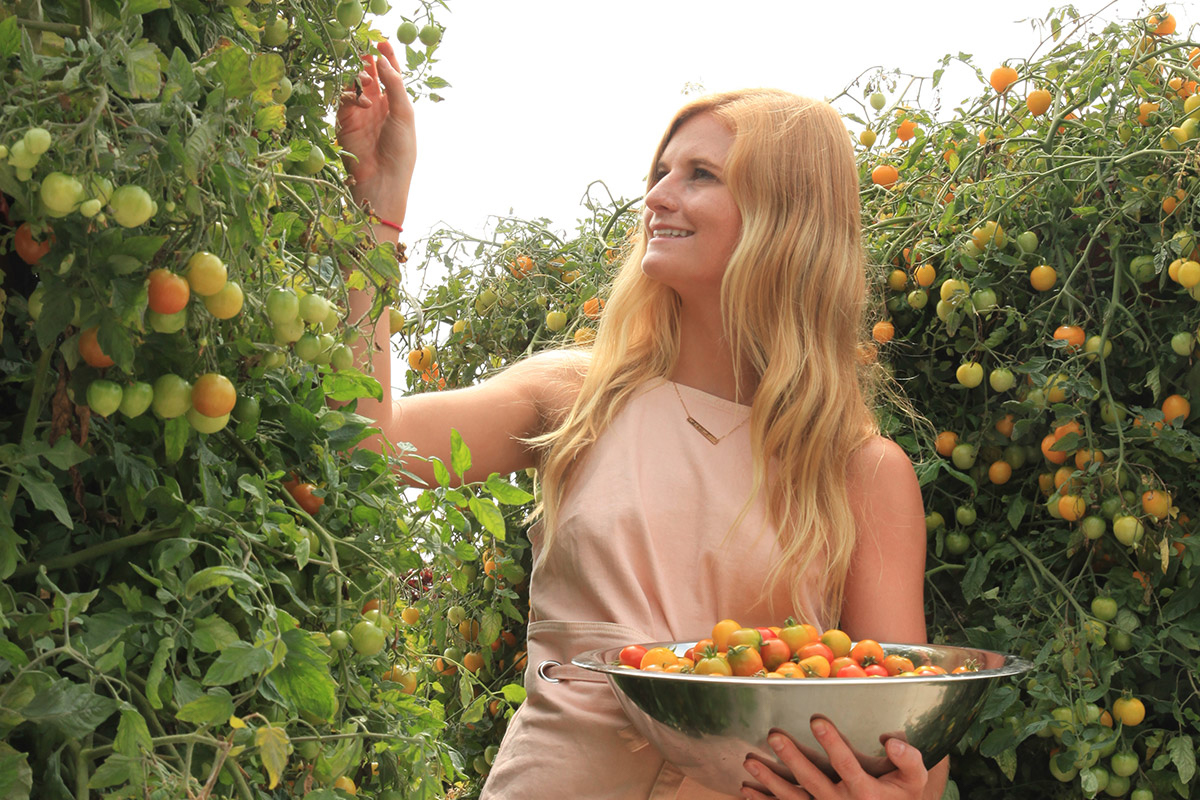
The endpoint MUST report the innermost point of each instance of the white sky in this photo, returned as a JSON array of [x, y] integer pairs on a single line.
[[547, 96]]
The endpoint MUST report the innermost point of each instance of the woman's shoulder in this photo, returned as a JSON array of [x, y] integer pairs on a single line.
[[553, 379], [878, 458]]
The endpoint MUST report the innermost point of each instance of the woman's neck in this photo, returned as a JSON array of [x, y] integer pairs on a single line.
[[706, 360]]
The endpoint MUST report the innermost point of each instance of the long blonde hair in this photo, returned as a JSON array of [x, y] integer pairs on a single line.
[[792, 301]]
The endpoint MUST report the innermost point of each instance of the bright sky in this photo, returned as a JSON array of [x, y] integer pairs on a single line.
[[547, 96]]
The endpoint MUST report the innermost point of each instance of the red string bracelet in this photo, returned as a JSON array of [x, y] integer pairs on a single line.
[[391, 225]]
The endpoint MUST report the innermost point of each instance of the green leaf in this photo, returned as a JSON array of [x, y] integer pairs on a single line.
[[10, 37], [103, 629], [272, 743], [232, 71], [213, 634], [176, 433], [166, 647], [270, 118], [350, 384], [143, 71], [16, 778], [139, 7], [490, 624], [46, 497], [65, 454], [211, 709], [1183, 754], [489, 516], [1007, 761], [440, 472], [133, 735], [998, 741], [72, 709], [303, 678], [1016, 511], [505, 492], [513, 693], [235, 663], [460, 454], [116, 770], [216, 577]]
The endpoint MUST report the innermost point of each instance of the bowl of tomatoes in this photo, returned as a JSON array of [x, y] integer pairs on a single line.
[[707, 718]]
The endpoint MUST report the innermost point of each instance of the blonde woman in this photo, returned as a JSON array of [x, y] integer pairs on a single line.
[[712, 455]]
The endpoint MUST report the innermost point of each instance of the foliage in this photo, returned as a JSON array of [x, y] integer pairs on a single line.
[[183, 596]]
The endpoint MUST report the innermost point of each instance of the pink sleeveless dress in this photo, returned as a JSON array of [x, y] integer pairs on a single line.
[[642, 555]]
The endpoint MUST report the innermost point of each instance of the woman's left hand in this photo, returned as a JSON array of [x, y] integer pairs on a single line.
[[906, 782]]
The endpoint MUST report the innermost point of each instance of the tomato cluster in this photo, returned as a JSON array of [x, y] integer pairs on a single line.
[[793, 650]]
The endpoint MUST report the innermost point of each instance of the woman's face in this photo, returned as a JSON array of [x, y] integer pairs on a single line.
[[690, 215]]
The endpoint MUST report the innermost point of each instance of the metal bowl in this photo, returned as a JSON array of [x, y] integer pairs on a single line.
[[707, 725]]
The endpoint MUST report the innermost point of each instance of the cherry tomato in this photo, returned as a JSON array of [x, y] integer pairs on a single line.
[[774, 652], [746, 636], [866, 652], [722, 631], [837, 641], [302, 493], [816, 649], [744, 660], [661, 656], [167, 293], [29, 249], [851, 670], [815, 666]]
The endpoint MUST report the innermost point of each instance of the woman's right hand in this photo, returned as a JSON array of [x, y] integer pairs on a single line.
[[376, 129]]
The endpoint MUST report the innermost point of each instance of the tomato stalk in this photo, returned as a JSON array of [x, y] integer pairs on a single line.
[[63, 28], [31, 417], [1037, 562]]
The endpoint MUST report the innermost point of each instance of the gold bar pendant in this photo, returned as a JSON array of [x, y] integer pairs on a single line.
[[703, 431]]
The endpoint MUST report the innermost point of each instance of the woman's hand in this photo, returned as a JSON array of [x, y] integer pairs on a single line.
[[906, 782], [376, 129]]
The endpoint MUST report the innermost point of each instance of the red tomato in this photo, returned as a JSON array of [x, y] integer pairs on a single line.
[[767, 633], [744, 660], [815, 649], [631, 656], [866, 652], [746, 636], [303, 495], [774, 652], [897, 664], [876, 670], [851, 670], [838, 663]]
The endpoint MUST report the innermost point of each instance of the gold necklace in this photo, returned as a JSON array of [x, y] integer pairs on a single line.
[[705, 432]]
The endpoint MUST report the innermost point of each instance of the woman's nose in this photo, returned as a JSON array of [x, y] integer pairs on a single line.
[[662, 196]]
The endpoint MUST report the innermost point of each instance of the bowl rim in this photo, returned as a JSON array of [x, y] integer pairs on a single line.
[[602, 660]]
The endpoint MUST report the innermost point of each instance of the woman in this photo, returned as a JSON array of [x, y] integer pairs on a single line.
[[713, 454]]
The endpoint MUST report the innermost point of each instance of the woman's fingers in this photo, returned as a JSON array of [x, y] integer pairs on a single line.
[[807, 774], [779, 787], [910, 766]]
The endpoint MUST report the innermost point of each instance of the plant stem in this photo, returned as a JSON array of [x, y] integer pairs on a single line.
[[31, 418], [104, 548], [73, 31]]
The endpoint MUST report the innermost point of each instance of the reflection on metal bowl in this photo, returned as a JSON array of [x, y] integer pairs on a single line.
[[707, 725]]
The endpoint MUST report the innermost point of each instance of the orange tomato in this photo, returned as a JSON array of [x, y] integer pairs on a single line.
[[661, 656], [837, 641], [29, 249], [166, 292], [885, 175], [1002, 78], [721, 633], [814, 667], [945, 443], [883, 331], [90, 352], [1176, 409]]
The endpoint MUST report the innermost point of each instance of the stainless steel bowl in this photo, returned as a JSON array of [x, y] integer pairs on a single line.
[[707, 725]]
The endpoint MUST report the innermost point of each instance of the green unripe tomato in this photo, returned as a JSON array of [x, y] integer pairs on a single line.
[[1182, 343], [556, 321], [131, 206], [103, 397], [339, 639], [341, 358], [308, 348], [275, 32], [984, 300], [957, 543], [1027, 242], [406, 33], [37, 141], [349, 13], [1002, 379], [282, 306], [966, 515], [61, 194], [1104, 608], [963, 455], [918, 299], [367, 638], [1093, 527], [379, 7], [205, 424], [1128, 530], [172, 396], [878, 101], [168, 323], [313, 308], [136, 398], [933, 521], [430, 35], [90, 208]]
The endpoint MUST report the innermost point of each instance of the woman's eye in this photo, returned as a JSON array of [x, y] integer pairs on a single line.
[[701, 172]]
